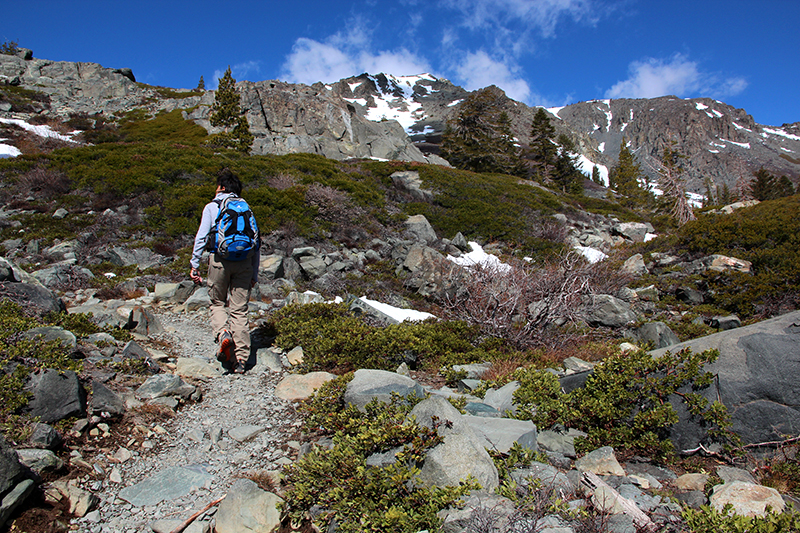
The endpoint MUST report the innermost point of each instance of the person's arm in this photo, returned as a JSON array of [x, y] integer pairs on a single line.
[[256, 262], [206, 222]]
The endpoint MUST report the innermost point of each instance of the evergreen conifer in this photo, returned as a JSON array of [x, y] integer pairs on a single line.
[[227, 114], [479, 138], [625, 176]]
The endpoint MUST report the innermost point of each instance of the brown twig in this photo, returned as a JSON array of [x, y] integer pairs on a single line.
[[192, 518], [771, 443]]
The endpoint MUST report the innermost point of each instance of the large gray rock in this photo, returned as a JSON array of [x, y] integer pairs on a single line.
[[11, 470], [756, 380], [56, 395], [295, 387], [144, 321], [33, 295], [633, 231], [606, 310], [246, 508], [747, 499], [418, 227], [51, 334], [104, 400], [657, 333], [502, 399], [410, 182], [367, 385], [460, 455], [142, 258], [500, 434], [167, 484], [198, 300], [549, 477], [164, 385]]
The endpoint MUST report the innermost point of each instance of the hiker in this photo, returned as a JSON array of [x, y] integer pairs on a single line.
[[228, 231]]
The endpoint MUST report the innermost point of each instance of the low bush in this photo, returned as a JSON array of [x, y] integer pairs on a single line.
[[767, 235], [709, 520], [338, 483], [625, 401], [334, 339]]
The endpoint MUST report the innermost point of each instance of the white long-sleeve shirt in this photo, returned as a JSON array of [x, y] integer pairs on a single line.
[[210, 212]]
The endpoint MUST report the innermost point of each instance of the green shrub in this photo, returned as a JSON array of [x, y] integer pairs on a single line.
[[361, 498], [625, 401], [767, 235], [19, 356], [709, 520], [334, 339]]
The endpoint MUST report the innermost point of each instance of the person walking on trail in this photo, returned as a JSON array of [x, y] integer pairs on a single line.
[[228, 231]]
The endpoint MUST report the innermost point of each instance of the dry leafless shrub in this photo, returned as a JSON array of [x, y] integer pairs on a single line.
[[263, 478], [332, 204], [524, 304], [282, 181], [43, 183]]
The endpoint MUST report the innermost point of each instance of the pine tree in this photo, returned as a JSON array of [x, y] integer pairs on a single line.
[[763, 185], [479, 138], [566, 174], [227, 114], [625, 176], [596, 175], [201, 85], [542, 151], [784, 187]]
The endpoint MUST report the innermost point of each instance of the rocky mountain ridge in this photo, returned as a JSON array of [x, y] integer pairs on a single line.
[[402, 118]]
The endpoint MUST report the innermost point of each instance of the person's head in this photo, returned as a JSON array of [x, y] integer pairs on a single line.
[[229, 182]]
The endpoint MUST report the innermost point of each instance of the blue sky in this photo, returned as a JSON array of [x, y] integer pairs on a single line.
[[541, 52]]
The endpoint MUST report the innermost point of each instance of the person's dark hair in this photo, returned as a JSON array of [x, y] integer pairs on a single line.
[[228, 181]]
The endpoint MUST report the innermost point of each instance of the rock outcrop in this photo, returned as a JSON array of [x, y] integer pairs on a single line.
[[754, 379]]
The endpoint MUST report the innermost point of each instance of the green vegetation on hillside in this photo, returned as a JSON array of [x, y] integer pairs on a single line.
[[767, 235]]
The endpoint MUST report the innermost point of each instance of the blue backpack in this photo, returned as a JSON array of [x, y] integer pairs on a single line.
[[234, 234]]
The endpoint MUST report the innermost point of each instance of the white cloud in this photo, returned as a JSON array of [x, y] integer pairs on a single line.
[[479, 70], [312, 61], [678, 75], [347, 53]]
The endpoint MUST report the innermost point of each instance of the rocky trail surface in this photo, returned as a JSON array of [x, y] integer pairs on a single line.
[[165, 471]]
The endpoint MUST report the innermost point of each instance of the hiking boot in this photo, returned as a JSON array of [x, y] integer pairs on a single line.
[[225, 353], [240, 369]]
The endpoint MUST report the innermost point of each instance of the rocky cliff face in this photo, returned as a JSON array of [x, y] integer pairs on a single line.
[[403, 118]]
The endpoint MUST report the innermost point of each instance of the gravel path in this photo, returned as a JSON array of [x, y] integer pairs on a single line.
[[199, 437]]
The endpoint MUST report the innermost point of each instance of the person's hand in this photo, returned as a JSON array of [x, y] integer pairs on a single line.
[[195, 275]]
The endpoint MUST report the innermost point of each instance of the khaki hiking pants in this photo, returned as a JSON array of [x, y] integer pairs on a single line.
[[229, 290]]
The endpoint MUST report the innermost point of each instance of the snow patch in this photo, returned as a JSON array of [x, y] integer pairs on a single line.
[[593, 255], [401, 315], [782, 133], [41, 131], [477, 256], [586, 166], [738, 127], [740, 145]]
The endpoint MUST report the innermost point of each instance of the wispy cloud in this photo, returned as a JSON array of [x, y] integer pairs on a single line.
[[516, 22], [240, 71], [652, 77]]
